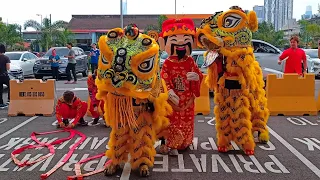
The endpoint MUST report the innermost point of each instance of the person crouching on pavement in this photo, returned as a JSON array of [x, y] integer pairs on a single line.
[[70, 107], [95, 104]]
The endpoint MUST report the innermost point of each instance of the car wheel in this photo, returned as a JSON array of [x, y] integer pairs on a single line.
[[38, 76]]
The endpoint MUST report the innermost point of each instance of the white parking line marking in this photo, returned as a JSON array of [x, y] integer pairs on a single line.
[[17, 127], [80, 89], [294, 151], [72, 89], [126, 172], [201, 121]]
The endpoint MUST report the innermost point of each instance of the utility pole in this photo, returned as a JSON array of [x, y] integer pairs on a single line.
[[50, 29], [175, 7], [121, 14]]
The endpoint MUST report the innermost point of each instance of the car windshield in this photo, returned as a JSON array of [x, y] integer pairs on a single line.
[[60, 52], [312, 53], [13, 56], [200, 60]]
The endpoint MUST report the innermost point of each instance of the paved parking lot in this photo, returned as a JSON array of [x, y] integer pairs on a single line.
[[292, 153]]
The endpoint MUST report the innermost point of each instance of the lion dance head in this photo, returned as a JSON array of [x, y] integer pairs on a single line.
[[230, 29], [128, 64]]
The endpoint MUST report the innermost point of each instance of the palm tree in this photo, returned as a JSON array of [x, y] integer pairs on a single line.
[[10, 34], [51, 33]]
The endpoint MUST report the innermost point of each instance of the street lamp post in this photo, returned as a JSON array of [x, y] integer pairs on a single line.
[[121, 14], [175, 7], [39, 30], [40, 17]]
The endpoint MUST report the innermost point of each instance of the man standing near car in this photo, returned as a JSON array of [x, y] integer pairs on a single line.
[[71, 65], [54, 59], [4, 77], [94, 54], [294, 57]]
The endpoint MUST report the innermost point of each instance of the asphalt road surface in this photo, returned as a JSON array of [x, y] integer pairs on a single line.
[[292, 153]]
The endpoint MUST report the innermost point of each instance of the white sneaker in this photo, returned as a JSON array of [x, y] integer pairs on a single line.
[[173, 152]]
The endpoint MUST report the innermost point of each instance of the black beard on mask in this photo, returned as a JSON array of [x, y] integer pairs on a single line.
[[180, 53]]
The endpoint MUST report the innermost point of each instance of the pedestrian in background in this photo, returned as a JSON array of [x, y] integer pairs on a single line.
[[294, 56], [319, 49], [94, 54], [54, 59], [4, 77], [71, 65]]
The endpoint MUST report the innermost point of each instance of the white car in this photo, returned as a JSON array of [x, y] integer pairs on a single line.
[[312, 55], [24, 60], [15, 72]]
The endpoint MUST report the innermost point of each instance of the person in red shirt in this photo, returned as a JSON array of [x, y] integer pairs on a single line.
[[295, 56], [95, 104], [319, 49], [70, 107], [183, 78]]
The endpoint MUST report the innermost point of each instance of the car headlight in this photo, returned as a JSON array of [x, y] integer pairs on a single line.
[[37, 63], [316, 63]]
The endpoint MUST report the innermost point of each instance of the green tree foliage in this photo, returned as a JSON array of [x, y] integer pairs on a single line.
[[157, 27], [161, 19], [52, 34], [267, 33], [150, 27], [309, 33], [10, 34]]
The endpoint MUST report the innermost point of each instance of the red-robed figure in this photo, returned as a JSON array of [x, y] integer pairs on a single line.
[[95, 104], [183, 79], [70, 107]]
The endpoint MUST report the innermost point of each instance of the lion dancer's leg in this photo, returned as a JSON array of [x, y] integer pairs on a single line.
[[142, 150], [224, 135], [241, 120], [260, 112], [118, 148], [260, 116]]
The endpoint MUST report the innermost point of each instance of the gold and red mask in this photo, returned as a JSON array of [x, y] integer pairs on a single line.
[[177, 37]]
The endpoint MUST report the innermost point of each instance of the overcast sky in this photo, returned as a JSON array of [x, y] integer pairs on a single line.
[[18, 11]]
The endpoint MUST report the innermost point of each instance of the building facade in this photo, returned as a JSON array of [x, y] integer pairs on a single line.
[[87, 29], [308, 13], [260, 12], [290, 29], [278, 12]]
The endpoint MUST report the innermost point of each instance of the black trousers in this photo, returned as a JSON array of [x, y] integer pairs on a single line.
[[55, 73], [4, 80], [93, 67], [71, 67]]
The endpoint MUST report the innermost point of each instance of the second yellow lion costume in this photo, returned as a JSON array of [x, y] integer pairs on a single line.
[[135, 97], [239, 95]]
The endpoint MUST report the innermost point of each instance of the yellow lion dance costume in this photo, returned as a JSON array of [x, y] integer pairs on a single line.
[[135, 97], [240, 102]]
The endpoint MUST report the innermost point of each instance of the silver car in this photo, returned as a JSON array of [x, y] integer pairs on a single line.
[[312, 55], [22, 60]]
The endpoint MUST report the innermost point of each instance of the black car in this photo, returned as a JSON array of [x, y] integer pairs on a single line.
[[42, 67]]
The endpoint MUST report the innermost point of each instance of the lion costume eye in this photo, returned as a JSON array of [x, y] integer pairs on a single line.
[[231, 21], [112, 34], [147, 65]]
